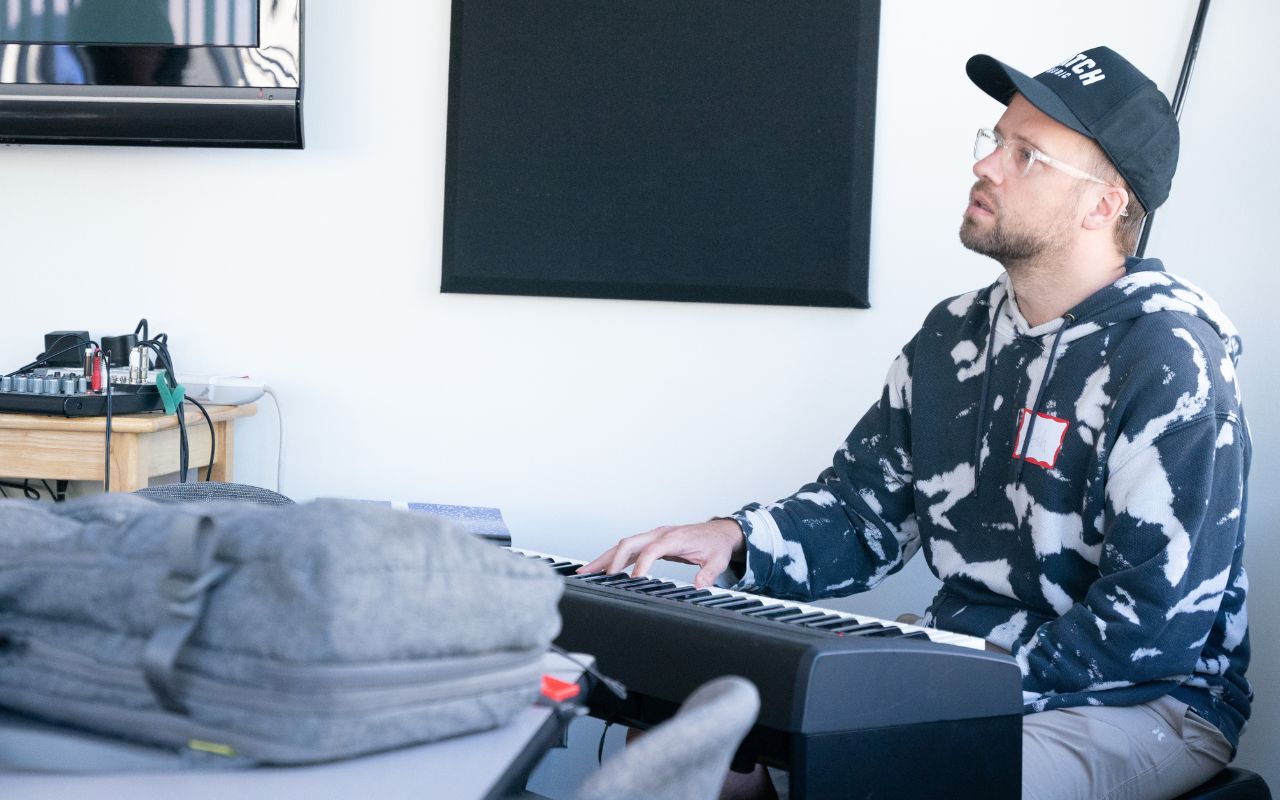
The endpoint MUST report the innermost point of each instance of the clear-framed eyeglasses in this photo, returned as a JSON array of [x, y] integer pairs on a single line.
[[1023, 157]]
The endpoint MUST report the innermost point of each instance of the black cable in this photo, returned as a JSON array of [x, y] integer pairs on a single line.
[[25, 487], [212, 439], [159, 345], [3, 493], [45, 358], [106, 470], [615, 686], [600, 748], [1179, 96]]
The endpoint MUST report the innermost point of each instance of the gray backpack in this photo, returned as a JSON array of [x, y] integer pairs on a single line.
[[240, 634]]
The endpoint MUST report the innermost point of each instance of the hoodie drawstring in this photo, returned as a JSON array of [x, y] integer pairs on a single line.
[[1067, 319], [982, 397]]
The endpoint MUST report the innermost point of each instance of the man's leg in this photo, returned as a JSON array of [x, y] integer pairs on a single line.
[[1153, 751]]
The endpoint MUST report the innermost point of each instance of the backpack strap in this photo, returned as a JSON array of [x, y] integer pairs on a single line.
[[193, 571]]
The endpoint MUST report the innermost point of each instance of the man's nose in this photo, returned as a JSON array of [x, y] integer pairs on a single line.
[[991, 168]]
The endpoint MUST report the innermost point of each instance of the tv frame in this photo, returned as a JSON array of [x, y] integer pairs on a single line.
[[238, 97]]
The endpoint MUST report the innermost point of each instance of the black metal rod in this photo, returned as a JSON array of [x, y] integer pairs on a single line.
[[1179, 96]]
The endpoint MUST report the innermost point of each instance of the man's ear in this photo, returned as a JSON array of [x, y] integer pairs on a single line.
[[1110, 207]]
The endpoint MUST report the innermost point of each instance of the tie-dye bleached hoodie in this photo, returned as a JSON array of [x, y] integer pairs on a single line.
[[1098, 539]]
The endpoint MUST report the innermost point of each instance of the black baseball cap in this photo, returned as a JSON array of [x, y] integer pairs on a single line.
[[1101, 95]]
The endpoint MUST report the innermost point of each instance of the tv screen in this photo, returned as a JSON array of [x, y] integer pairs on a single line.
[[200, 23], [167, 72], [703, 150]]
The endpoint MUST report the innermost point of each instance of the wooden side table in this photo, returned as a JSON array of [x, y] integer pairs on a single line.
[[142, 445]]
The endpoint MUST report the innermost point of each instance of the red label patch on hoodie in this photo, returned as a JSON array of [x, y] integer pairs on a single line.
[[1047, 436]]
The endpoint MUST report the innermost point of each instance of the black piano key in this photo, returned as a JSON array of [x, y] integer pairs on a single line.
[[660, 586], [763, 609], [679, 594], [783, 615], [586, 576], [917, 635], [671, 593], [835, 621], [693, 596], [742, 605], [829, 624], [723, 602], [713, 600], [645, 583], [857, 628], [803, 618], [826, 619], [605, 580], [629, 584], [886, 633]]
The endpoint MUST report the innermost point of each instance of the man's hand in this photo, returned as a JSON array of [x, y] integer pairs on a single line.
[[709, 545]]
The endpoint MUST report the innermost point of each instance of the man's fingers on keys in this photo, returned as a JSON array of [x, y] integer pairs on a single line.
[[650, 553], [626, 550], [710, 571], [597, 564]]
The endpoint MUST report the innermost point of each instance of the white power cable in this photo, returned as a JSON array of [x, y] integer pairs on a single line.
[[280, 454]]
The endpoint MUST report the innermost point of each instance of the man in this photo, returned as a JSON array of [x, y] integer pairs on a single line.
[[1067, 446]]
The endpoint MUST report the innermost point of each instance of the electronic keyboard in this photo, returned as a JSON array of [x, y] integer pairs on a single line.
[[851, 705]]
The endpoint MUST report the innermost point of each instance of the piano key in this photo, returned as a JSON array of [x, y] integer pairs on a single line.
[[609, 578], [763, 609], [787, 611], [647, 583], [631, 583], [823, 620], [803, 617], [720, 602], [659, 587], [857, 627], [672, 594], [839, 622], [709, 598], [730, 604], [885, 632], [693, 597]]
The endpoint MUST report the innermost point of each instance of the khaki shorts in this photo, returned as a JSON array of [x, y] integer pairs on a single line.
[[1153, 751]]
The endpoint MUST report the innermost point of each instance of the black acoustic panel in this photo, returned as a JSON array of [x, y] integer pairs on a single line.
[[704, 150]]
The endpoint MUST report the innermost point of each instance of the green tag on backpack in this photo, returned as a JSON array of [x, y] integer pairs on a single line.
[[171, 397]]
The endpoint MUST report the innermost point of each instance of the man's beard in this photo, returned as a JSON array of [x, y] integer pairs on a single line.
[[1005, 246], [1008, 243]]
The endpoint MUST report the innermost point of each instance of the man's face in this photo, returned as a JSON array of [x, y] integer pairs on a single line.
[[1016, 218]]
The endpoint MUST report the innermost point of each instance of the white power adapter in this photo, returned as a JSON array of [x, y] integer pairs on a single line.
[[222, 390]]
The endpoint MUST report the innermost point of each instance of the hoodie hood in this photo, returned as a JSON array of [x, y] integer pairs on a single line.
[[1146, 288]]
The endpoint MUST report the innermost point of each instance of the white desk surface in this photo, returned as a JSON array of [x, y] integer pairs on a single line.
[[454, 769]]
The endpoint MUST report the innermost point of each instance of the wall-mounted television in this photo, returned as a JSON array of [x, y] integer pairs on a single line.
[[218, 73]]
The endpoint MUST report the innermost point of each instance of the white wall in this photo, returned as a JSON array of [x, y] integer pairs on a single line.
[[586, 420]]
